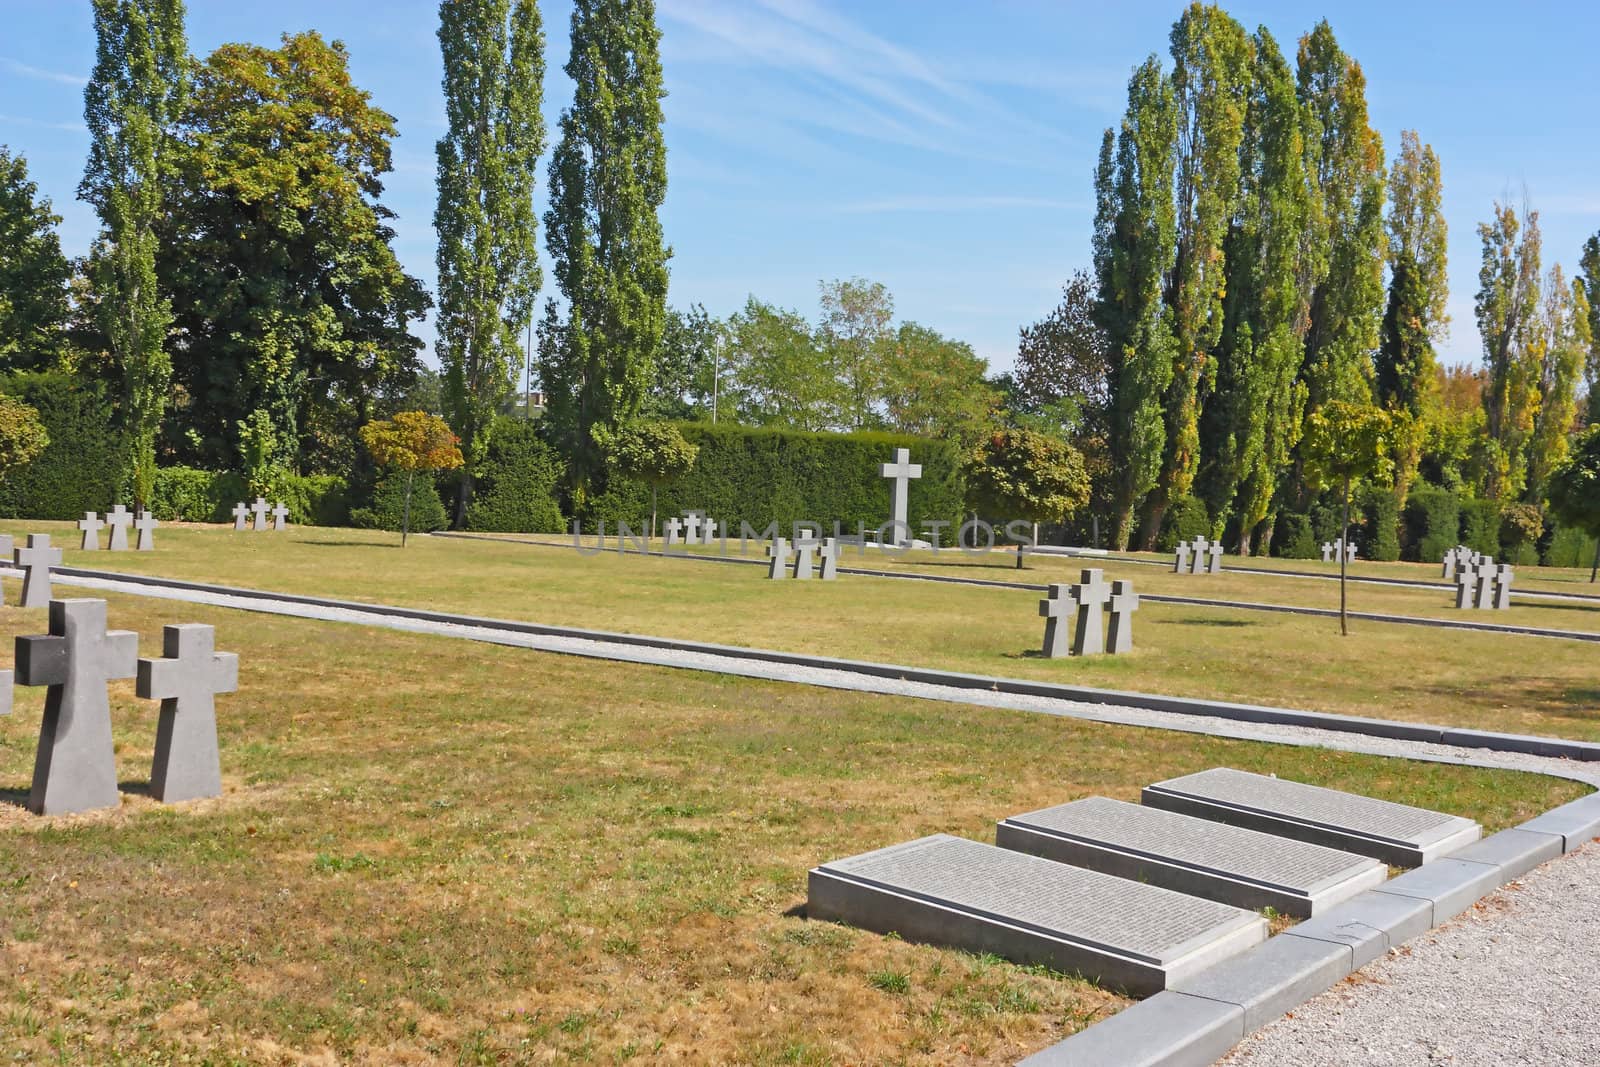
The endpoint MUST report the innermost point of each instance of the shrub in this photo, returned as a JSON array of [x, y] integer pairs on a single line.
[[313, 499], [1521, 526], [1293, 537], [185, 494], [1432, 523], [82, 468], [514, 489], [188, 494], [1569, 547], [1480, 526], [1379, 536], [387, 508], [1186, 519]]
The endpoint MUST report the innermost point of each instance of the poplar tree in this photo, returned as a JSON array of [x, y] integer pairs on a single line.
[[129, 105], [1561, 340], [1253, 418], [608, 177], [1589, 262], [1507, 306], [1133, 244], [1211, 84], [488, 256]]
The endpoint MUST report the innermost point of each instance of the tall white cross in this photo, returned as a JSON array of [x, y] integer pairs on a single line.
[[36, 561], [902, 471], [91, 526], [186, 681], [259, 510], [118, 518]]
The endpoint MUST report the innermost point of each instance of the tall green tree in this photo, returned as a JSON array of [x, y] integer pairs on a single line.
[[1589, 263], [608, 177], [1562, 340], [1133, 243], [34, 275], [488, 253], [1252, 418], [686, 376], [857, 330], [1575, 490], [130, 104], [777, 373], [1061, 371], [1507, 308], [935, 386], [289, 298], [1211, 82]]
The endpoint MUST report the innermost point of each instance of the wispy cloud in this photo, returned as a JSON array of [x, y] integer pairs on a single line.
[[954, 204], [23, 120], [27, 71]]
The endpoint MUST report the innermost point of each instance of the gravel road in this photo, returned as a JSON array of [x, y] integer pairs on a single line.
[[1511, 982]]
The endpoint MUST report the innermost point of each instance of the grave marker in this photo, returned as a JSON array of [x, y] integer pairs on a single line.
[[1215, 554], [1058, 606], [1199, 548], [1180, 565], [241, 514], [146, 524], [1091, 594], [1484, 596], [778, 552], [674, 530], [1502, 587], [805, 555], [36, 561], [75, 769], [709, 533], [259, 510], [1394, 833], [91, 526], [1230, 864], [1327, 551], [950, 891], [830, 559], [1466, 586], [1123, 603], [902, 471], [280, 516], [186, 681], [119, 519]]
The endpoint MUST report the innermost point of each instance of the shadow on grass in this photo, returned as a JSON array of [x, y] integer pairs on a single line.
[[17, 798], [1195, 620], [351, 544], [1547, 605]]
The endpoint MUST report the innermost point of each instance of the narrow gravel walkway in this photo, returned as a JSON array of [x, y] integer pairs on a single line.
[[1511, 982]]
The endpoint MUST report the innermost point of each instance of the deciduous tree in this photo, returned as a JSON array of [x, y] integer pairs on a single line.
[[653, 452], [1022, 474], [1345, 442], [1507, 309], [934, 386], [412, 441], [1575, 490], [856, 330], [34, 275], [1561, 342]]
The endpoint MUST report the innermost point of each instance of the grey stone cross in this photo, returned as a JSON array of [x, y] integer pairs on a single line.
[[91, 526], [1502, 587], [1180, 565], [259, 511], [1466, 586], [901, 471], [119, 519], [1057, 609], [1123, 603], [778, 552], [146, 524], [1484, 597], [1327, 551], [805, 555], [186, 681], [1091, 593], [1198, 548], [76, 768], [1349, 550], [830, 559], [36, 561], [280, 516], [673, 528], [1215, 554], [241, 515], [691, 527], [709, 533]]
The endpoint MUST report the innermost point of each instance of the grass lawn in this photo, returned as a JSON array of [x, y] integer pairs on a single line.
[[1462, 678], [435, 850]]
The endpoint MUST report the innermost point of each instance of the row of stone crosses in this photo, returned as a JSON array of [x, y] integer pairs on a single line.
[[119, 519], [75, 766], [1082, 603], [1480, 581]]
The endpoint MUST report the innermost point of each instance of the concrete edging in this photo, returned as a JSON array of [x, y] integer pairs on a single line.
[[1199, 1019]]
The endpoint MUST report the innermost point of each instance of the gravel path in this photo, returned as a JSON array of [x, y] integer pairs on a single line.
[[1511, 982]]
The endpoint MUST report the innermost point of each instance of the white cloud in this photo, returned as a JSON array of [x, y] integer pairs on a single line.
[[43, 75]]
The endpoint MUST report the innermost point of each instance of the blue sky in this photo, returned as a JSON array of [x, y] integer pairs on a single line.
[[944, 149]]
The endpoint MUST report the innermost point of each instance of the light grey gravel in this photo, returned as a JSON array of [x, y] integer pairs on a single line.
[[1512, 981]]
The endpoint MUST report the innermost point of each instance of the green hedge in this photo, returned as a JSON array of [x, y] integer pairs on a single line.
[[1431, 523], [514, 491], [1379, 536], [185, 494], [387, 507], [1480, 526], [82, 468], [1569, 546], [1294, 538], [1186, 518], [758, 476]]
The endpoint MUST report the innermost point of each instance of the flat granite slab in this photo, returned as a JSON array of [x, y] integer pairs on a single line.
[[1393, 833], [1245, 868], [950, 891]]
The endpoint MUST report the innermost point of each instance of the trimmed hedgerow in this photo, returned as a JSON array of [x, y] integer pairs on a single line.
[[1186, 518], [1379, 536], [1480, 526], [1431, 523], [82, 468], [514, 489]]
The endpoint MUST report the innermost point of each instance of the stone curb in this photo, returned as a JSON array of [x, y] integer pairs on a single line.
[[1153, 598], [1198, 1020], [1583, 751]]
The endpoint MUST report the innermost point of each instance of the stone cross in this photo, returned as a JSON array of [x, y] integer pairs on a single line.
[[1215, 552], [36, 561], [709, 533], [118, 519], [1348, 549], [146, 525], [830, 559], [902, 471], [691, 527], [778, 551], [76, 768], [1484, 598], [1123, 603], [1197, 563], [91, 526], [186, 681], [1057, 609], [259, 510], [241, 514], [1502, 587], [7, 547], [1091, 593], [1327, 551], [1466, 586], [674, 531], [805, 555], [280, 516], [1180, 565]]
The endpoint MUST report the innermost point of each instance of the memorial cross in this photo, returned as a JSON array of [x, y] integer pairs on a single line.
[[778, 551], [1484, 596], [280, 516], [1091, 593], [186, 680], [805, 555], [259, 509], [1216, 558], [91, 526], [1197, 562], [1180, 565], [1502, 587], [7, 543], [902, 471], [36, 561], [76, 768], [118, 518], [241, 514], [674, 531], [1466, 586], [1056, 608], [830, 559], [1327, 552], [146, 524], [709, 533], [1123, 603], [1349, 551], [691, 527]]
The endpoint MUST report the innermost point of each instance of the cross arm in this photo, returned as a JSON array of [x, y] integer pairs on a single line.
[[41, 659]]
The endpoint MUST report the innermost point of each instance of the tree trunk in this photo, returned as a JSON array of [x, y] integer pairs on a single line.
[[1344, 555], [462, 497], [1121, 528], [405, 519], [1264, 541], [1152, 526], [1596, 568]]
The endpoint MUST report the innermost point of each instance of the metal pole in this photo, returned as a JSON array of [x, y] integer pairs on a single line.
[[527, 403], [716, 378]]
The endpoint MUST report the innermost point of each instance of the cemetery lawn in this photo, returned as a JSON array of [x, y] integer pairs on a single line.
[[1459, 678], [438, 850]]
